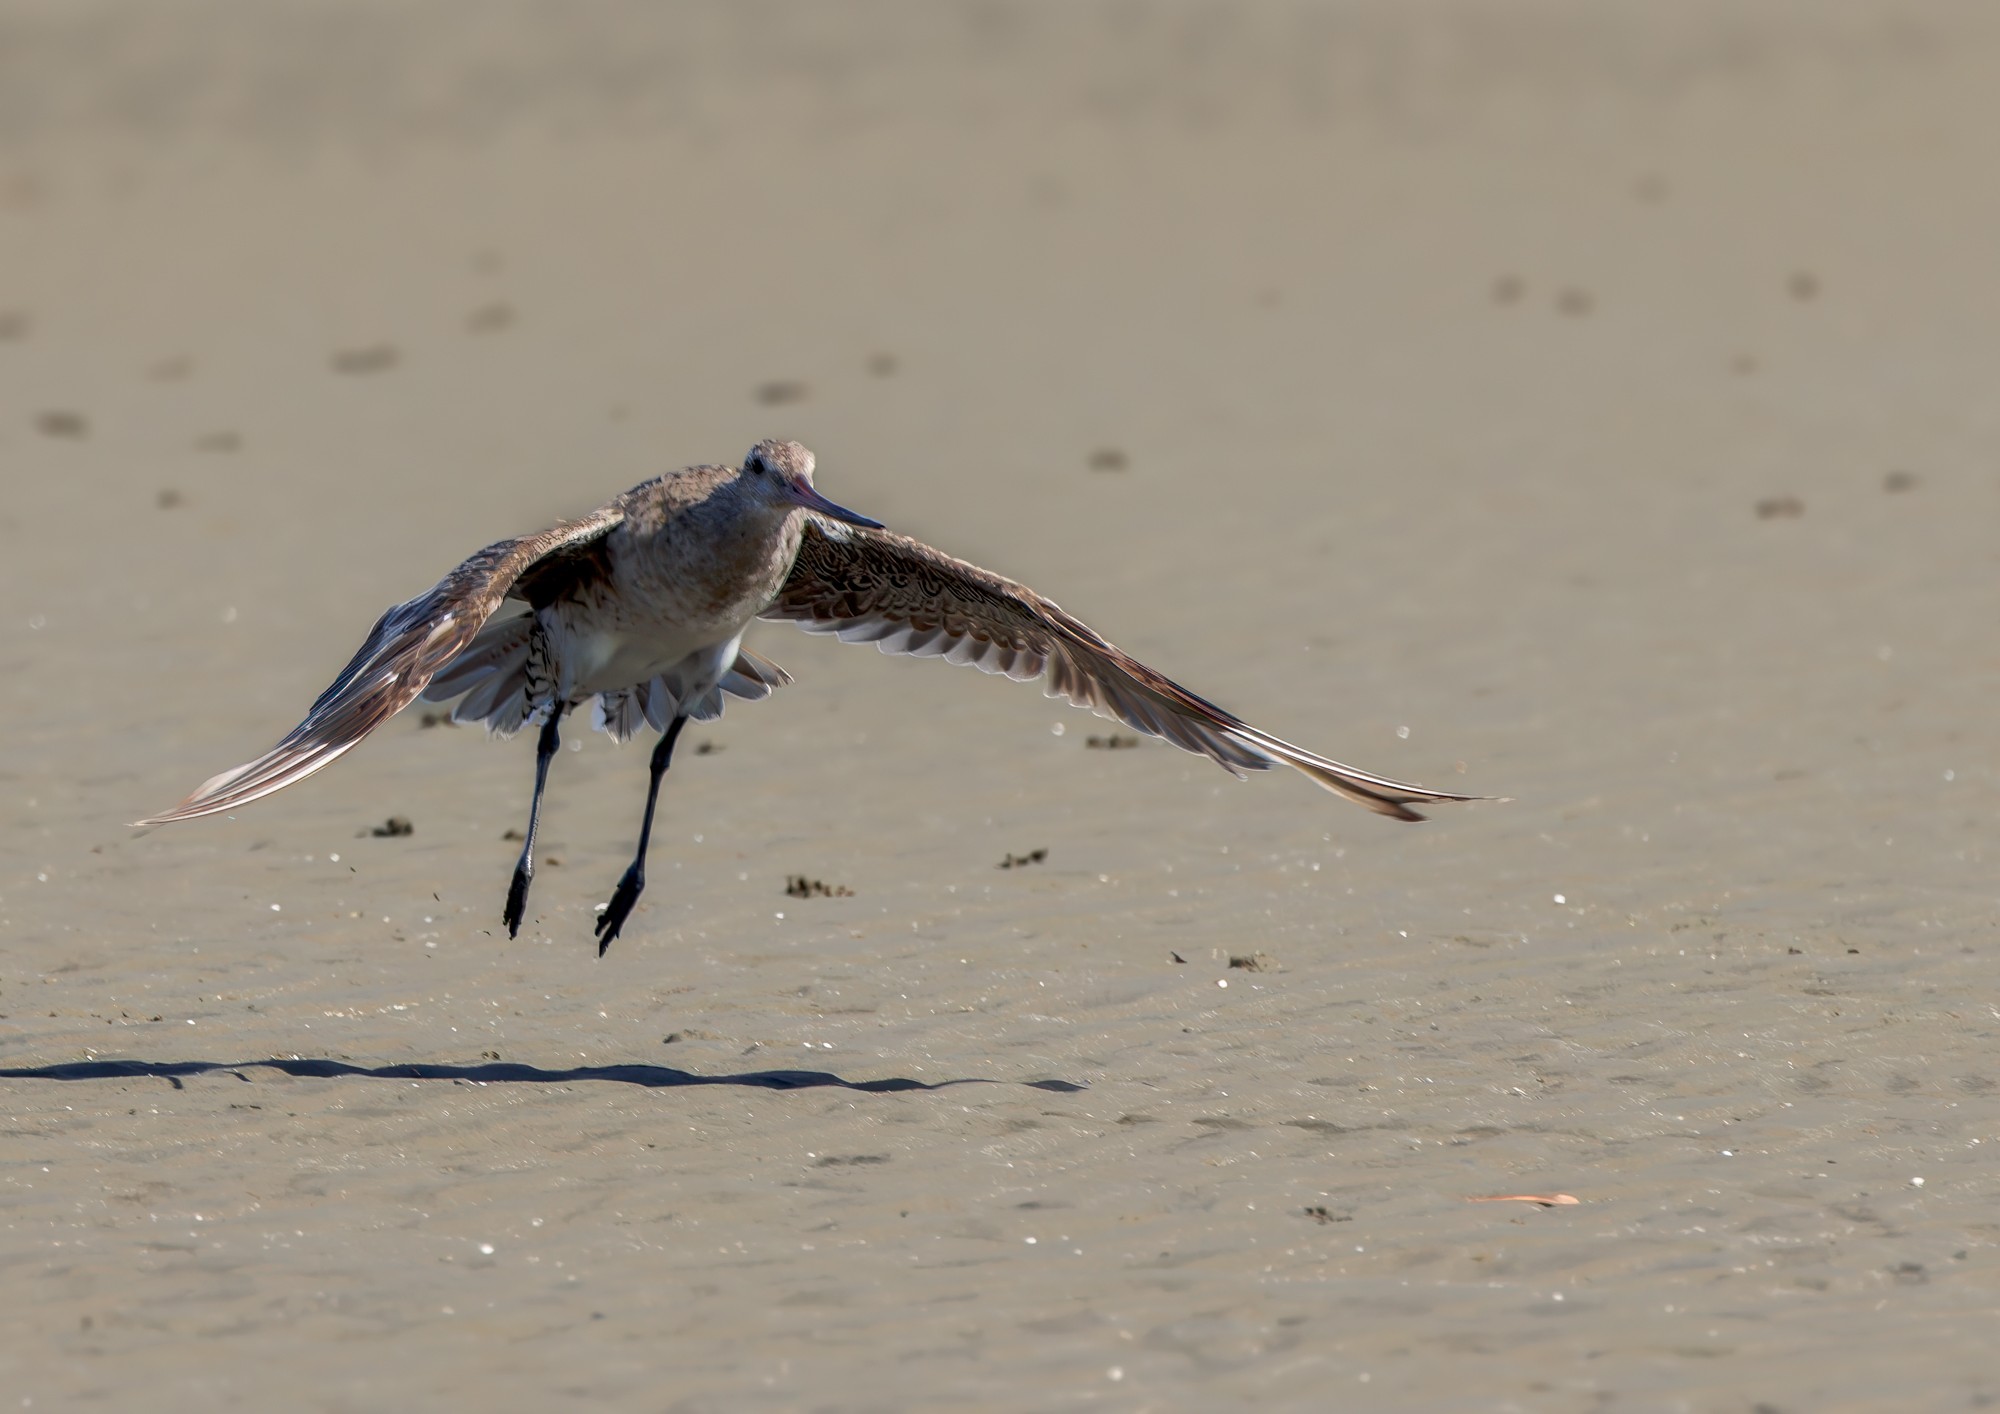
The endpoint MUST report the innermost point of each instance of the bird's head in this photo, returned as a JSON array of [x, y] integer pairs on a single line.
[[779, 474]]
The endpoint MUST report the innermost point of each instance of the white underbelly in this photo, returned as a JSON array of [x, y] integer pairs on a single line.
[[604, 661]]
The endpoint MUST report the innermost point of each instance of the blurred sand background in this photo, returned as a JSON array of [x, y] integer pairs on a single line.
[[1586, 402]]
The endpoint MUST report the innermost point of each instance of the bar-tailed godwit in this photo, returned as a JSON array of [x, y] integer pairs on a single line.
[[642, 604]]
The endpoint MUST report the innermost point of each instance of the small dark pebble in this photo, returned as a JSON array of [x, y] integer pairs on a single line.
[[1900, 481], [671, 1038], [782, 390], [554, 861], [830, 1161], [882, 365], [1254, 962], [219, 442], [1177, 958], [1324, 1215], [1909, 1273], [1780, 508], [515, 835], [393, 828], [489, 1055], [707, 748], [799, 886], [1108, 459], [1022, 861], [375, 358], [168, 498], [436, 719], [63, 424], [1114, 742], [490, 319]]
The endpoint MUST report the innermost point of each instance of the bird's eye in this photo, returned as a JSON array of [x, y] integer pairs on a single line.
[[756, 466]]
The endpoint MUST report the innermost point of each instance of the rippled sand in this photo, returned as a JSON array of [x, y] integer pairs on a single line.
[[1586, 403]]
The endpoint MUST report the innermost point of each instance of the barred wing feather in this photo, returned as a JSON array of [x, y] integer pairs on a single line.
[[872, 586], [406, 648]]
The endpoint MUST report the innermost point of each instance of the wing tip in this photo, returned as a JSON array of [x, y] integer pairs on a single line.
[[189, 809], [1402, 811], [186, 810], [1383, 796]]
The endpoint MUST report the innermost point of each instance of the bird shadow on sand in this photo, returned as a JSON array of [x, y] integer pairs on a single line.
[[650, 1077]]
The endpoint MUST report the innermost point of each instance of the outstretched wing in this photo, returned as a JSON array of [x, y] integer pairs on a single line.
[[871, 586], [408, 644]]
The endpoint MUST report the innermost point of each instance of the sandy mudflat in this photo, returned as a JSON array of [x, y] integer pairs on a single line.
[[1586, 402]]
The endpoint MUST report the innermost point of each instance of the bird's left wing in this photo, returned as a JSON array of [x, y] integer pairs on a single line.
[[407, 646], [872, 586]]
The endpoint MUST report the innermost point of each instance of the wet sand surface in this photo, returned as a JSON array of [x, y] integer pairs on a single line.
[[1586, 403]]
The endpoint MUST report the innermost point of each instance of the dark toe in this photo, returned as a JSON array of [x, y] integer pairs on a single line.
[[517, 904], [618, 910]]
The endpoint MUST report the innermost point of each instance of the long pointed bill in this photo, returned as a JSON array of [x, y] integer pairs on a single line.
[[805, 495]]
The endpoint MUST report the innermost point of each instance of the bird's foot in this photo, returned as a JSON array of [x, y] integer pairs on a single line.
[[517, 898], [620, 908]]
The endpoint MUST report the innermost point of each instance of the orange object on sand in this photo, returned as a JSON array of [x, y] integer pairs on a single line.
[[1547, 1200]]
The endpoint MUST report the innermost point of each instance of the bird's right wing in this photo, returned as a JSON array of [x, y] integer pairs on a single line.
[[872, 586], [407, 646]]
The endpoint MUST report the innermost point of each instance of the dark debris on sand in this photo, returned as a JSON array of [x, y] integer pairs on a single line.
[[490, 318], [799, 886], [61, 423], [780, 391], [374, 358]]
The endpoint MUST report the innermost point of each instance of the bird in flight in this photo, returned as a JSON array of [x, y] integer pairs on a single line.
[[640, 608]]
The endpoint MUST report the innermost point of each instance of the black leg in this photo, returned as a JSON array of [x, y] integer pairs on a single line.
[[524, 870], [634, 881]]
